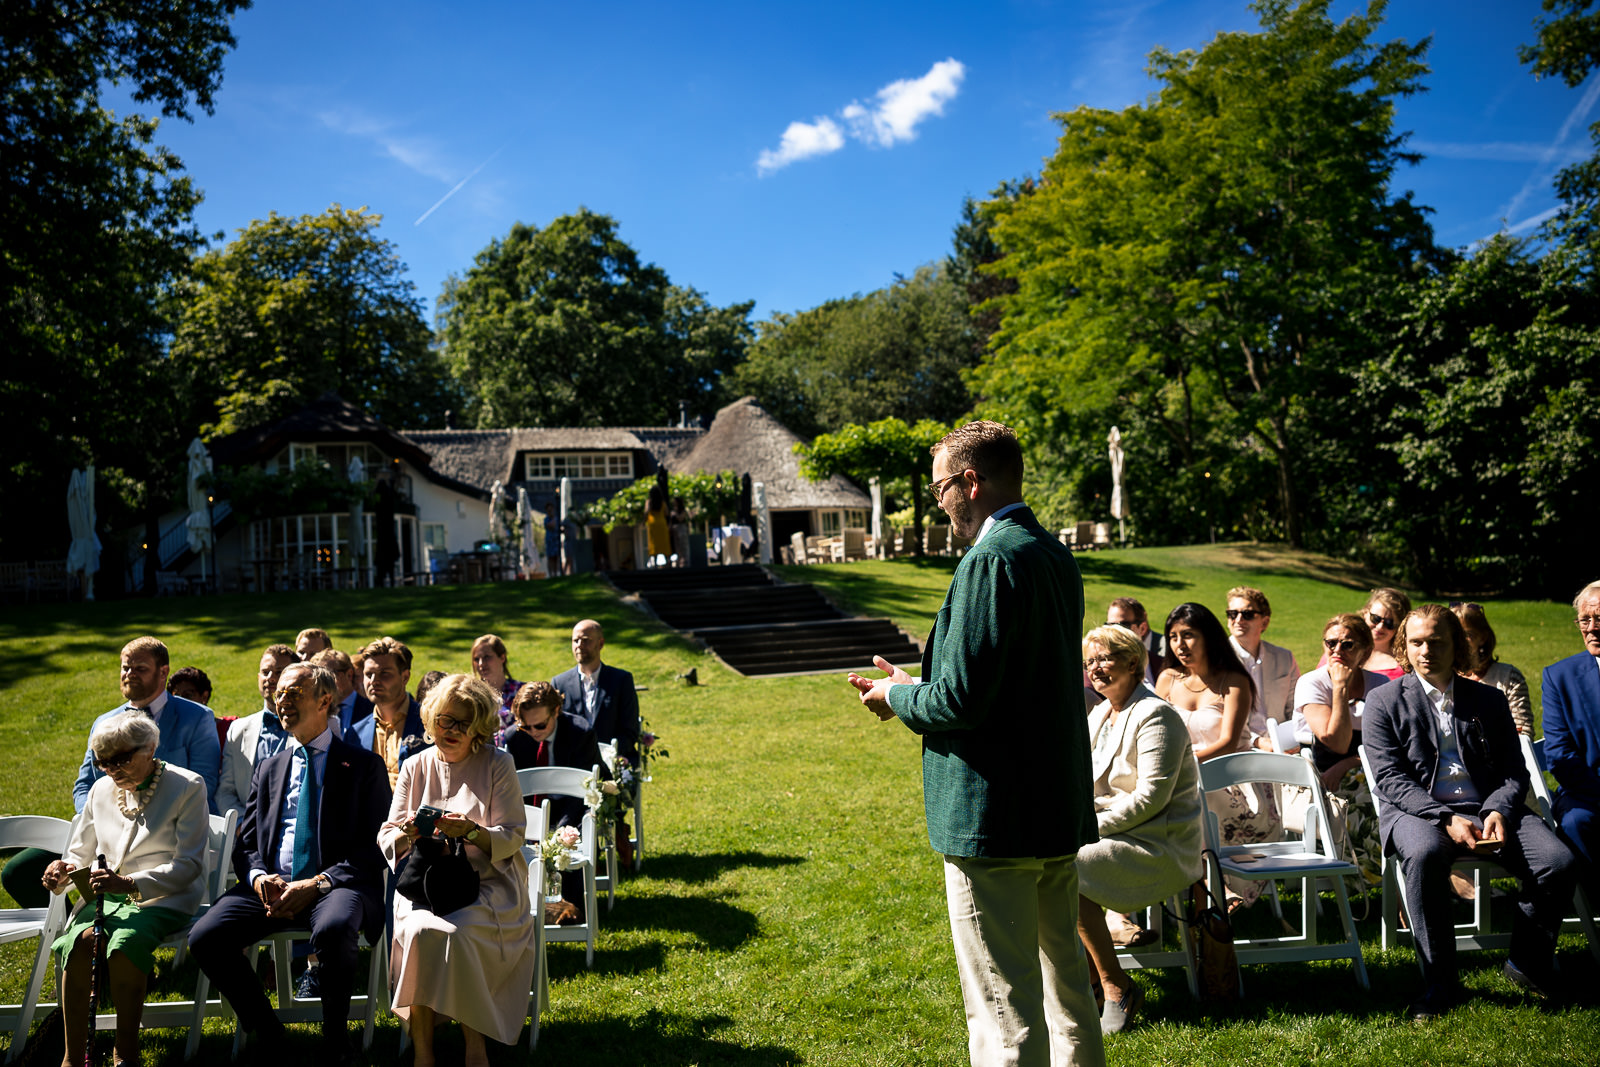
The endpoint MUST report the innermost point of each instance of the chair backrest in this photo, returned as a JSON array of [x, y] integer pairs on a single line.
[[608, 754], [553, 781], [938, 537], [1372, 783], [1084, 533], [855, 541], [35, 831], [586, 831], [1241, 768], [1533, 756], [219, 853], [797, 543]]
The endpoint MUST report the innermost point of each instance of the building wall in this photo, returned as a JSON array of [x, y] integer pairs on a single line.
[[465, 518]]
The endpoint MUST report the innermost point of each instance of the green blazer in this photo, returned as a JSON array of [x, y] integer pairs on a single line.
[[1005, 738]]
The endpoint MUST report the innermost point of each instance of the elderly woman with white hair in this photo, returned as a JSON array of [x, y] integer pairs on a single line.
[[473, 962], [150, 820], [1148, 805]]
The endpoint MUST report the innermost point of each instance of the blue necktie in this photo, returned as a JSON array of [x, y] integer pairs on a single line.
[[305, 821]]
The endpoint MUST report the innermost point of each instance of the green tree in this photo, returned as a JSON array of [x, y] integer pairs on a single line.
[[566, 326], [897, 352], [1568, 46], [704, 495], [887, 449], [1203, 264], [296, 307], [95, 223]]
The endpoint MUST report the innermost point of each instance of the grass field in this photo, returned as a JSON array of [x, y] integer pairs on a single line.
[[790, 910]]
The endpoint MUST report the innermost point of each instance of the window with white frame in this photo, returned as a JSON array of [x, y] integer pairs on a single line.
[[553, 466], [830, 523], [436, 536], [855, 518], [336, 456]]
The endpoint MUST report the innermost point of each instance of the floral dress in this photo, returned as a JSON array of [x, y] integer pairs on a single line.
[[1245, 814]]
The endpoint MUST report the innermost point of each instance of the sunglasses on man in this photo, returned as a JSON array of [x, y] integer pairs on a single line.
[[1247, 614]]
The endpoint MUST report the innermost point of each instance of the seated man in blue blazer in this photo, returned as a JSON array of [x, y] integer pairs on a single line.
[[309, 860], [1448, 771], [1571, 693], [188, 730], [393, 729], [598, 696]]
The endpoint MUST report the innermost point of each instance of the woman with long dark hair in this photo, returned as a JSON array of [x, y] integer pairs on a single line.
[[1213, 694]]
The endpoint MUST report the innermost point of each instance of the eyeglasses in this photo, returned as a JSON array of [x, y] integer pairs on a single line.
[[1104, 659], [1380, 620], [288, 694], [1588, 622], [111, 763], [1248, 614], [1339, 644], [938, 487], [454, 725]]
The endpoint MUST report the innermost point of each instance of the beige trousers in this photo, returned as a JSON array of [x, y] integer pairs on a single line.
[[1024, 974]]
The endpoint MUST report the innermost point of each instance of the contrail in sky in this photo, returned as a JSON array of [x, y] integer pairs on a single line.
[[457, 187]]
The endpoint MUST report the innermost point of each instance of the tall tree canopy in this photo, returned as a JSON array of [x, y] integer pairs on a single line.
[[1568, 46], [894, 353], [95, 221], [1200, 266], [566, 326], [295, 307]]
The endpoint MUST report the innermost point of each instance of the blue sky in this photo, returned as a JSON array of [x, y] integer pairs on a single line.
[[455, 121]]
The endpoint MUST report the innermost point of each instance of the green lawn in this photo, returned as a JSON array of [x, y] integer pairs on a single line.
[[790, 910]]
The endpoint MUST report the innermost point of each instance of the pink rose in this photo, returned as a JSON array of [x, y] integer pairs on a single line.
[[568, 836]]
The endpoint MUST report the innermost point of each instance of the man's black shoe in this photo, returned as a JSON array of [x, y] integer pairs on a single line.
[[1541, 987], [1430, 1007]]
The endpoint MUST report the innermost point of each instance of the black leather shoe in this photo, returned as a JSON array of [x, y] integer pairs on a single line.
[[1541, 987], [1430, 1007]]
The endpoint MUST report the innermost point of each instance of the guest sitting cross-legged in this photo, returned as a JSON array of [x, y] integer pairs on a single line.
[[149, 819], [308, 844], [1148, 804], [475, 963]]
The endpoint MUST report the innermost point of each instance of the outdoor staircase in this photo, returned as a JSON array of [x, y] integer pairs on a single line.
[[759, 626]]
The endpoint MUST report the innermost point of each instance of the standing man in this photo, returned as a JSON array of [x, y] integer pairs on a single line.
[[996, 696], [308, 848], [308, 643], [1272, 667], [1448, 768], [352, 705], [1571, 691], [598, 696], [1130, 615], [394, 729], [252, 738]]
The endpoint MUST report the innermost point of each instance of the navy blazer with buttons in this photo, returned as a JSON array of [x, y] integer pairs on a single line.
[[616, 714], [1400, 734], [354, 803], [1571, 698], [412, 738]]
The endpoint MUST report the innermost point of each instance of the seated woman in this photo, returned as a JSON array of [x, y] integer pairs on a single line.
[[1211, 691], [1328, 703], [1483, 667], [150, 820], [489, 664], [1147, 800], [475, 964]]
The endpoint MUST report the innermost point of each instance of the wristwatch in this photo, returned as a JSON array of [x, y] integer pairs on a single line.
[[324, 884]]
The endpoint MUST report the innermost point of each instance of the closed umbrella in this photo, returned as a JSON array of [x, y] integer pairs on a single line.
[[525, 517], [763, 522], [357, 473], [83, 555], [877, 517], [1119, 503], [566, 512], [199, 520], [497, 499]]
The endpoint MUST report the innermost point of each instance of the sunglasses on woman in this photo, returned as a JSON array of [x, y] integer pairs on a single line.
[[121, 759], [1380, 620], [1339, 644]]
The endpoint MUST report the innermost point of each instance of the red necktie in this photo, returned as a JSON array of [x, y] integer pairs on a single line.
[[538, 756]]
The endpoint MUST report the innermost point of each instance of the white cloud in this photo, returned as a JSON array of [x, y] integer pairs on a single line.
[[901, 105], [414, 153], [1499, 151], [1547, 164], [893, 115], [802, 140]]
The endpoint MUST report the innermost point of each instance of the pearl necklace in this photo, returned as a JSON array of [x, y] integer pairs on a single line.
[[131, 810]]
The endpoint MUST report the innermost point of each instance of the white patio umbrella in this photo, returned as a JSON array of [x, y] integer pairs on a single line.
[[758, 493], [83, 555], [1119, 502], [566, 510], [199, 520], [877, 516], [497, 499], [357, 473], [525, 515]]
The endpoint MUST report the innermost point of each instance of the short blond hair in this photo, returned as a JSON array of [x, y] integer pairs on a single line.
[[148, 646], [1460, 650], [1252, 596], [1125, 646], [1590, 590], [470, 696]]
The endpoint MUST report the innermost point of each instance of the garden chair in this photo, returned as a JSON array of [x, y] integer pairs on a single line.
[[20, 924], [1083, 536], [938, 539], [568, 782], [1308, 859], [533, 852], [608, 752], [1533, 756]]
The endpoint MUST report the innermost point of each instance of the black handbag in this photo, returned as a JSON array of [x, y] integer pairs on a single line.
[[438, 876]]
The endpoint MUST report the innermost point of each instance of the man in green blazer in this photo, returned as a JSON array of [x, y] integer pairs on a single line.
[[1005, 760]]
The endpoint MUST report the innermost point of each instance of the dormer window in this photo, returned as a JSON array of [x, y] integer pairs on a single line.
[[553, 466]]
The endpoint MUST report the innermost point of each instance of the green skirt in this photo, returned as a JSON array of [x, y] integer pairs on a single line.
[[130, 929]]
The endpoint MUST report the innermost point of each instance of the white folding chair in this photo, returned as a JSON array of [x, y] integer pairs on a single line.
[[608, 752], [1533, 756], [568, 781], [533, 852], [1313, 856], [1155, 955], [18, 924]]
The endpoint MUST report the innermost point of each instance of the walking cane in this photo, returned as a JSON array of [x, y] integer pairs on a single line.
[[97, 963]]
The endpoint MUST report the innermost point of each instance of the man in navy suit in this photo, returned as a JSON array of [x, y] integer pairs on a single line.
[[1448, 769], [308, 859], [1571, 692], [351, 705], [600, 697]]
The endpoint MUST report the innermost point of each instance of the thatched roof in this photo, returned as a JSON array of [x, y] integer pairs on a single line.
[[744, 437], [481, 457], [326, 419]]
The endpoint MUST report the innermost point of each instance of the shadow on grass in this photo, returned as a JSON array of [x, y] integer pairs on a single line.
[[706, 867], [1125, 573], [566, 959], [656, 1037], [715, 923]]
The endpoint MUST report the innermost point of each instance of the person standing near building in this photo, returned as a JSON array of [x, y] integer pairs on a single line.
[[995, 683]]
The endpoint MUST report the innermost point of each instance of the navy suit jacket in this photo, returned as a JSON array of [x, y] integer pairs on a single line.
[[353, 712], [412, 741], [1571, 696], [188, 740], [1399, 732], [354, 803], [616, 715], [574, 747]]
